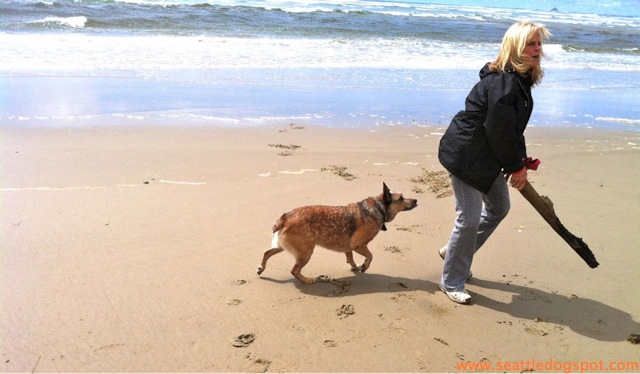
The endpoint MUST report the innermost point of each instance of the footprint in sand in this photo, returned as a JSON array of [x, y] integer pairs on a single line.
[[243, 340], [340, 287], [345, 310], [340, 171], [330, 343], [288, 149], [437, 182], [257, 365], [536, 330], [234, 302], [393, 249], [261, 365]]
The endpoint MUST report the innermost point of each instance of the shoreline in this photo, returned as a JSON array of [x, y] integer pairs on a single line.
[[331, 97], [135, 248]]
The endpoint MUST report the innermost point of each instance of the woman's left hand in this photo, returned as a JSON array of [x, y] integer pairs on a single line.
[[518, 179]]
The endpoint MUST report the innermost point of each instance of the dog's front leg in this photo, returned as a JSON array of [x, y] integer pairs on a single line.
[[350, 261], [364, 251]]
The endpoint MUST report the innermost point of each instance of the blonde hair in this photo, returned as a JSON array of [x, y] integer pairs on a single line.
[[511, 51]]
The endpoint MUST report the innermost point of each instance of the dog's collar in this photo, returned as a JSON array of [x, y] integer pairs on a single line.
[[384, 215]]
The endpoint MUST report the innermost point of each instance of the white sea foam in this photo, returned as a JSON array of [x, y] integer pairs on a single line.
[[140, 54], [583, 13], [624, 121], [77, 21]]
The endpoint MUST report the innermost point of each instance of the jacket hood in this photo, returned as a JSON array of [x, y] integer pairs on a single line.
[[485, 71]]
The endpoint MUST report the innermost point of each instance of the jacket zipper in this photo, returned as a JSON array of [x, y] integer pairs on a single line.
[[526, 102]]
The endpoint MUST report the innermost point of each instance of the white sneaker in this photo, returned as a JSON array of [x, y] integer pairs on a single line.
[[460, 297], [443, 252]]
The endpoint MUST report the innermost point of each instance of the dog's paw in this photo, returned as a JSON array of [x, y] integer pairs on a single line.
[[259, 270], [363, 268]]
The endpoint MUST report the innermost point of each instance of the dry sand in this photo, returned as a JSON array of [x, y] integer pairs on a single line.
[[131, 249]]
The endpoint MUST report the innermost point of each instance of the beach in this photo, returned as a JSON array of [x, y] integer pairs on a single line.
[[148, 147], [134, 249]]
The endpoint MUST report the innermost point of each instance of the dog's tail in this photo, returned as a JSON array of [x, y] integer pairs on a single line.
[[277, 226], [279, 223]]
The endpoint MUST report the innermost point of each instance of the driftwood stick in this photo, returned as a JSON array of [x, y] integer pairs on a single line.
[[544, 206]]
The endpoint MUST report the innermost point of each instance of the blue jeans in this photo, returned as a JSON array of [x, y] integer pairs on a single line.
[[478, 215]]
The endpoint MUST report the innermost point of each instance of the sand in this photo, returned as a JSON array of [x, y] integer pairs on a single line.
[[135, 249]]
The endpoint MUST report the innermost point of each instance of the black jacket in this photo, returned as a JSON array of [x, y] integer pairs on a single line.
[[486, 138]]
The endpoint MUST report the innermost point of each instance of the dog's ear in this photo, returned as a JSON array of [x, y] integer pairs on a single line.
[[386, 194]]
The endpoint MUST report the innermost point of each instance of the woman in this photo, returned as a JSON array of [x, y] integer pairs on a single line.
[[484, 147]]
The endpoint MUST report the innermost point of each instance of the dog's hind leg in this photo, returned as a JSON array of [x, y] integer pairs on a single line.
[[275, 249], [350, 261], [363, 250], [267, 254], [302, 258]]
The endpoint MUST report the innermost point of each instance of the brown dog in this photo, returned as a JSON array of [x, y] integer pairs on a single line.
[[339, 228]]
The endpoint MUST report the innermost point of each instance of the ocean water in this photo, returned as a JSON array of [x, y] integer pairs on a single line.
[[353, 63]]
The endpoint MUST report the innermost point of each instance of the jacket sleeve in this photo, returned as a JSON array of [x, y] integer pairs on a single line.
[[522, 148], [500, 125]]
